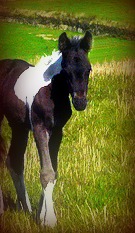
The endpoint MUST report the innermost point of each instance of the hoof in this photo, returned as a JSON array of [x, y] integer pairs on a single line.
[[51, 221]]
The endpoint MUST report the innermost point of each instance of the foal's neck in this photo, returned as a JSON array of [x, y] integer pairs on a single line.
[[60, 91]]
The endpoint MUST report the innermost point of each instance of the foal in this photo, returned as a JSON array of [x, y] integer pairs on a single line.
[[46, 112]]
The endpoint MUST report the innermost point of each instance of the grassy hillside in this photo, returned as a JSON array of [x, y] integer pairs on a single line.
[[26, 42], [122, 11]]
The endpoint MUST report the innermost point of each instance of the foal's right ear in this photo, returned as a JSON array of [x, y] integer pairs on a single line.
[[86, 42], [64, 42]]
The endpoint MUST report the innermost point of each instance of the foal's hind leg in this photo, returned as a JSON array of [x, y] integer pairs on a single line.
[[15, 163]]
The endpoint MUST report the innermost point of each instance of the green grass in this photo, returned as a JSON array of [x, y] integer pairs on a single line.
[[119, 11], [26, 42], [95, 189]]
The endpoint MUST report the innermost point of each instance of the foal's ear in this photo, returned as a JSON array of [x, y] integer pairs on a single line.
[[64, 42], [86, 41]]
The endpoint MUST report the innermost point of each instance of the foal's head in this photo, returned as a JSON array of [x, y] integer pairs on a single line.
[[76, 66]]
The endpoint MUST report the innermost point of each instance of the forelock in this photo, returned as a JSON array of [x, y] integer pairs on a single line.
[[75, 41]]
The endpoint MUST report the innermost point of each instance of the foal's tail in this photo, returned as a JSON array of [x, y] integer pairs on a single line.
[[2, 146]]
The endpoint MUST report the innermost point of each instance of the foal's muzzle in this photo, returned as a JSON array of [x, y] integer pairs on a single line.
[[79, 100]]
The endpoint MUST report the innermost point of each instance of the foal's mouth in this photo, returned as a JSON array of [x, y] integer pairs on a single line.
[[79, 100]]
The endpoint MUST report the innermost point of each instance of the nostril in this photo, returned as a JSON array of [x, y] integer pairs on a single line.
[[79, 94]]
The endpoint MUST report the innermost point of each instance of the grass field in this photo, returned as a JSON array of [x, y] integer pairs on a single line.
[[95, 189], [39, 41], [122, 11]]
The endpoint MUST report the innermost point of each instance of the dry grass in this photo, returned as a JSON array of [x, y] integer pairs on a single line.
[[95, 189]]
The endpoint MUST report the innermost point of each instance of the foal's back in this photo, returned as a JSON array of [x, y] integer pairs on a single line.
[[10, 70]]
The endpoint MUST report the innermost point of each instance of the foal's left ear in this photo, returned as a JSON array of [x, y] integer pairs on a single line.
[[86, 41]]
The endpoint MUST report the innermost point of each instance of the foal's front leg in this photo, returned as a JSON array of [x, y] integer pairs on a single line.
[[47, 176]]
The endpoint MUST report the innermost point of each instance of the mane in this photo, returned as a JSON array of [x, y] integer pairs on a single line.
[[48, 60], [75, 41]]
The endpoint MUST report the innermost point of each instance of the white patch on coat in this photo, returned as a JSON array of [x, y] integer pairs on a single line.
[[31, 80], [47, 215]]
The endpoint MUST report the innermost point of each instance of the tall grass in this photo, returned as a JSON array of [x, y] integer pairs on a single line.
[[95, 188]]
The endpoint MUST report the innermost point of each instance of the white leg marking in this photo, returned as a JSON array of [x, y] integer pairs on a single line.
[[28, 201], [50, 219], [43, 210], [47, 211], [21, 190]]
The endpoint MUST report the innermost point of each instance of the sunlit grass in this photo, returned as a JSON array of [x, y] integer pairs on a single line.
[[19, 41], [95, 187]]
